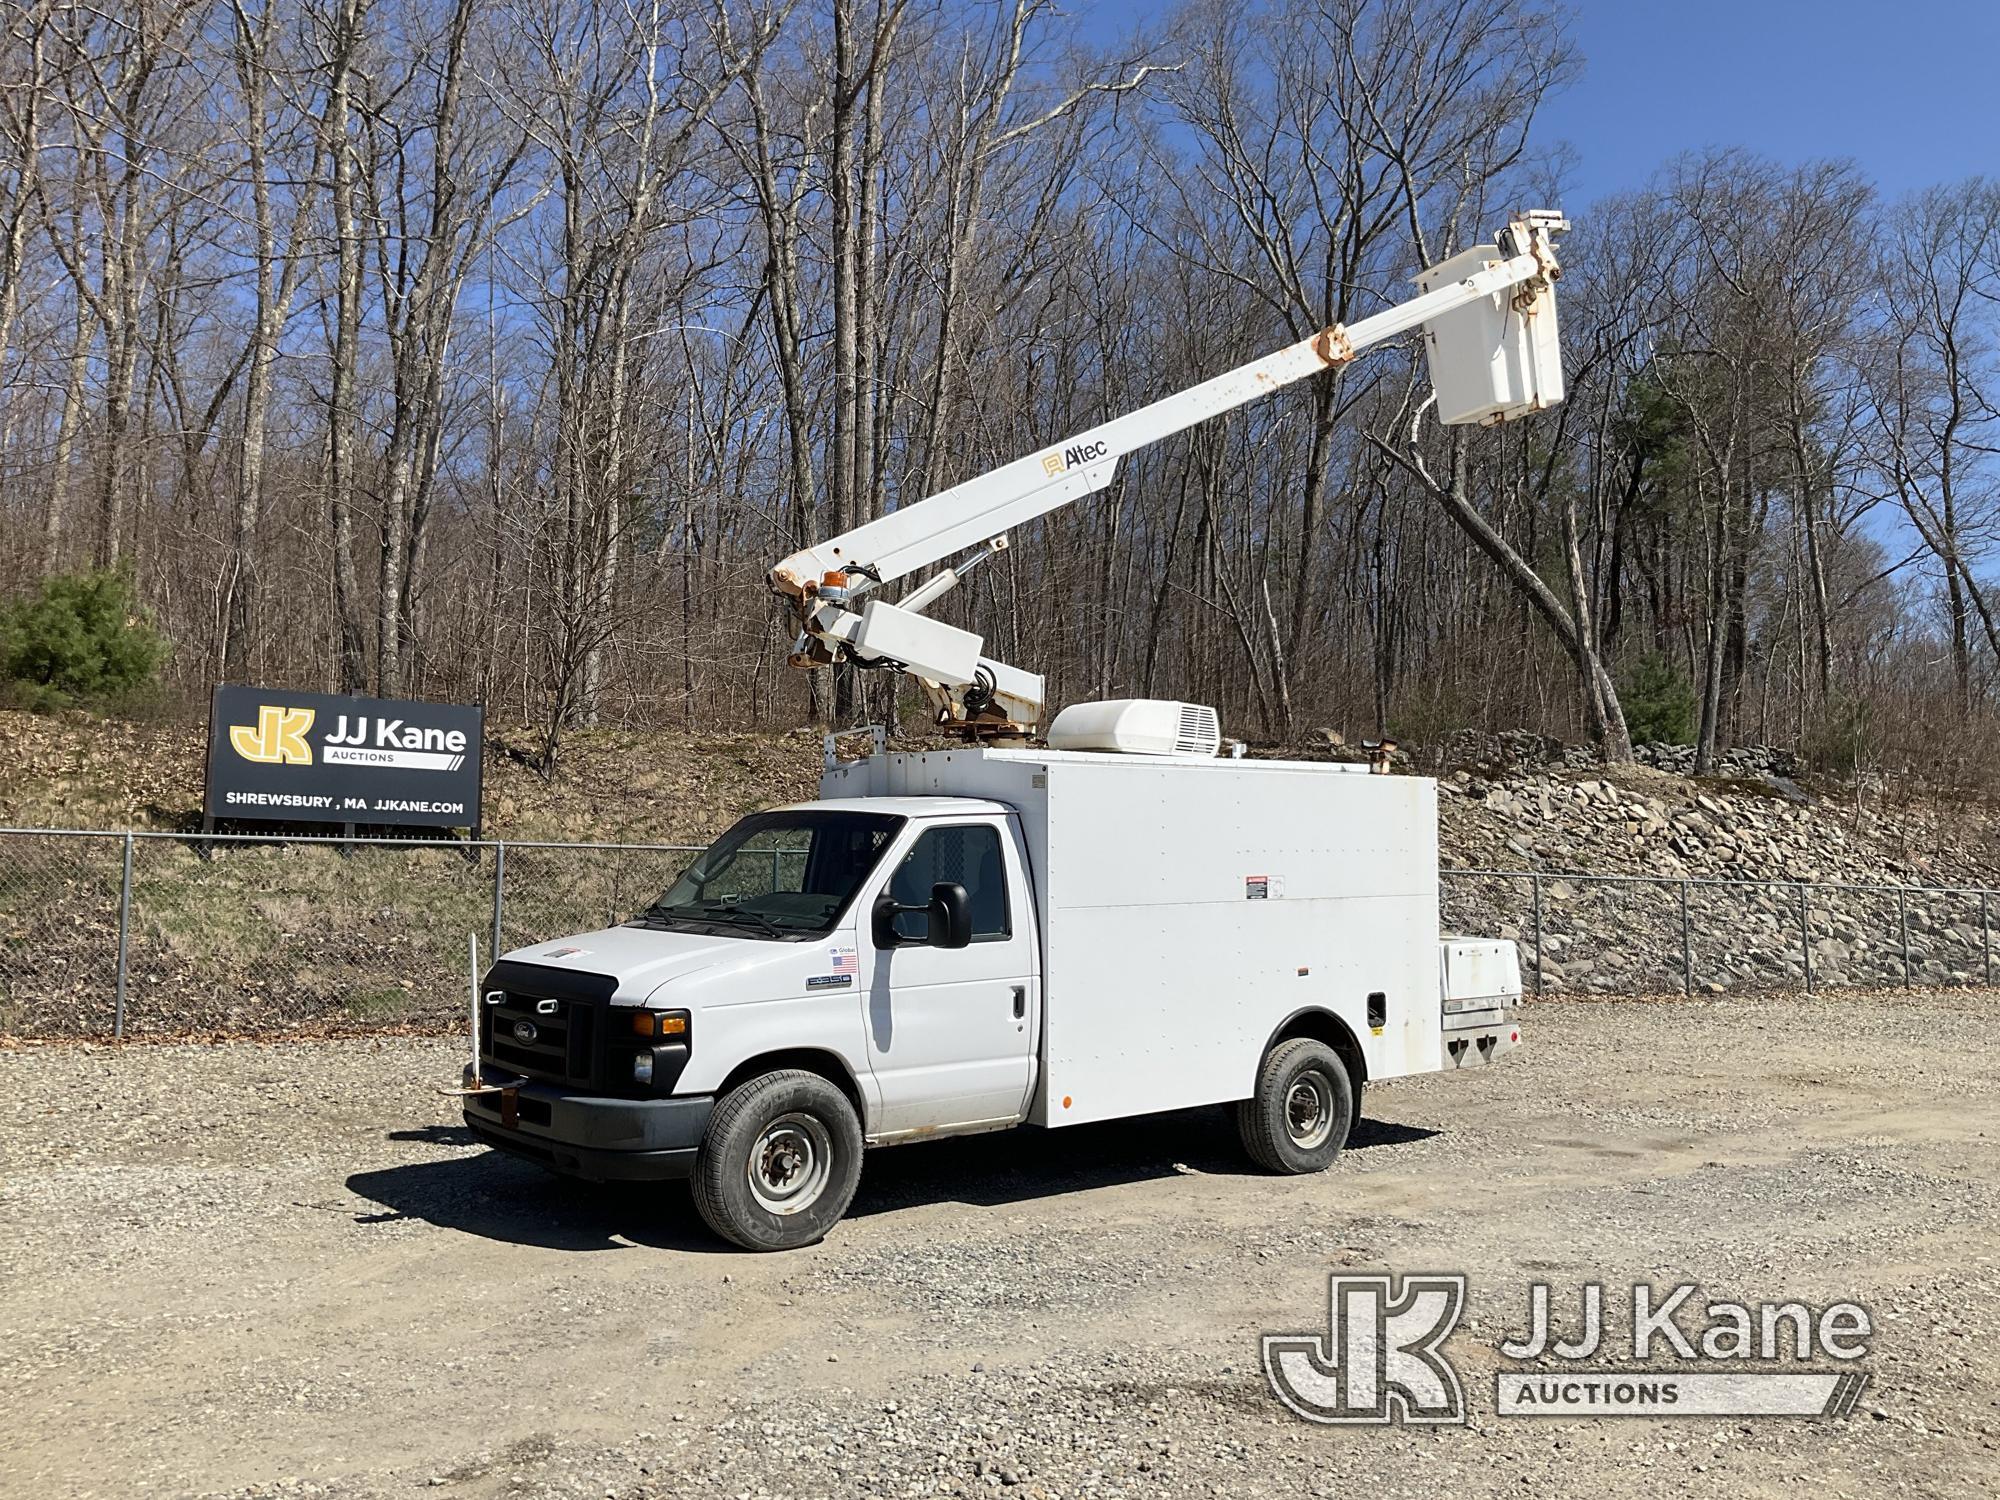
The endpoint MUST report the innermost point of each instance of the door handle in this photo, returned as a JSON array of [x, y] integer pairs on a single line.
[[1020, 1001]]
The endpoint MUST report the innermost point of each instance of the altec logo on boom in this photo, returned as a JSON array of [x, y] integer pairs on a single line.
[[1072, 457]]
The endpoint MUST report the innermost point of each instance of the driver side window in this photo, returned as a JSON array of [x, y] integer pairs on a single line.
[[965, 854]]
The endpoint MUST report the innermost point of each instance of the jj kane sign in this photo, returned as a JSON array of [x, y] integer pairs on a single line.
[[282, 756]]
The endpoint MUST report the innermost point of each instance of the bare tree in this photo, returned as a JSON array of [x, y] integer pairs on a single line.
[[275, 275], [1937, 393]]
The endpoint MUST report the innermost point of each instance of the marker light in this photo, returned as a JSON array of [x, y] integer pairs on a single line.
[[652, 1023]]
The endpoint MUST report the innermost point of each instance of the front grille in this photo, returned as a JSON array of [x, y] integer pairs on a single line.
[[575, 1044], [562, 1047]]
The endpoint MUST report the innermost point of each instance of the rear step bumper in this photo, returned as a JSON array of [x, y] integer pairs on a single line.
[[589, 1136], [1477, 1046]]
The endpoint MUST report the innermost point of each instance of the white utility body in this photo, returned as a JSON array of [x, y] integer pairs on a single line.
[[1119, 923], [1188, 909]]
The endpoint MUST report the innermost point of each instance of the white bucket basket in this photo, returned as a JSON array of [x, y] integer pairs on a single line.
[[1490, 360]]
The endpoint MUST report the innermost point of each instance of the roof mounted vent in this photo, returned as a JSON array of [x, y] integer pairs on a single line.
[[1138, 726]]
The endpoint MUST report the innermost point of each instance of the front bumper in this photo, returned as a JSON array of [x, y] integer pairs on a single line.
[[587, 1135]]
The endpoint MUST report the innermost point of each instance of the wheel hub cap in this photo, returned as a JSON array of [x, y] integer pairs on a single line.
[[1309, 1112], [790, 1164]]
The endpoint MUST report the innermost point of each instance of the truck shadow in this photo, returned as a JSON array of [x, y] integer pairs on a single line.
[[491, 1195], [1020, 1166], [494, 1196]]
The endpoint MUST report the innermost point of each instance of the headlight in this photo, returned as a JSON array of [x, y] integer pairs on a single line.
[[642, 1068]]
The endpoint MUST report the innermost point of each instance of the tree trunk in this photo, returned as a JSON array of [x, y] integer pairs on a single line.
[[344, 414], [1615, 747]]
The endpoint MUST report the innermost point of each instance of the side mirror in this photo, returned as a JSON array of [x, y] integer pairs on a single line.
[[951, 915], [948, 914]]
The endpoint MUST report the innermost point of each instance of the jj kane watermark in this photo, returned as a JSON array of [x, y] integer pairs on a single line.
[[1382, 1358]]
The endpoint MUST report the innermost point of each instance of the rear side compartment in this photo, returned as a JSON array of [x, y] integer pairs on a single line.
[[1479, 985]]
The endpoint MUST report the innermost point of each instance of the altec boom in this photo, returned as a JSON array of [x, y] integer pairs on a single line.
[[1490, 334]]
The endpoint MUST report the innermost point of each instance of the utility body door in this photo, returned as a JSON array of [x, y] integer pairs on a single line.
[[952, 1032]]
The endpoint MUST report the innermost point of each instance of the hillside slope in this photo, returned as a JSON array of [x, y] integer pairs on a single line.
[[255, 937], [78, 771], [74, 770]]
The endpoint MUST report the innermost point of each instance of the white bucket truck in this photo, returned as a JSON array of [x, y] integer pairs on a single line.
[[966, 940], [971, 939]]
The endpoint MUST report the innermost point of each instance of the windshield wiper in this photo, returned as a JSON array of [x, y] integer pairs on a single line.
[[729, 911], [658, 913]]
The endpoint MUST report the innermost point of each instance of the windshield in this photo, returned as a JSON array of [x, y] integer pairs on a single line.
[[780, 874]]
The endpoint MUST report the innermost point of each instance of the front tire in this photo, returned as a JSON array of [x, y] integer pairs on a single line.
[[780, 1161], [1305, 1104]]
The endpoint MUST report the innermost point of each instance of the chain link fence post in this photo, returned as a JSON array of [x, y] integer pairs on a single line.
[[499, 895], [1805, 933], [124, 940], [1986, 938], [1537, 879], [1687, 943], [1903, 920]]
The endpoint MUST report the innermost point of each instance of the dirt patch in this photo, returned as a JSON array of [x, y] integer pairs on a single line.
[[261, 1270]]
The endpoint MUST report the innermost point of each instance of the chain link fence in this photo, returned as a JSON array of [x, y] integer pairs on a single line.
[[186, 933], [171, 934], [1649, 935]]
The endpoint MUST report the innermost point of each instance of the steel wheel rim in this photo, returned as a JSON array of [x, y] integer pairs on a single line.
[[791, 1163], [1309, 1112]]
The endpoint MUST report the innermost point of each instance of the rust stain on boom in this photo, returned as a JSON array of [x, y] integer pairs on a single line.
[[1332, 345]]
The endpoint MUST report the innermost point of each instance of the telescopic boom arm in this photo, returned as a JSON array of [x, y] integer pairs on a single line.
[[1489, 317]]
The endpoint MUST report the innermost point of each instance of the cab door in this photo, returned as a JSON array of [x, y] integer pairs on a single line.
[[952, 1031]]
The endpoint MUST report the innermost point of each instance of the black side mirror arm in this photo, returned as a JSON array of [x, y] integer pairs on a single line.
[[882, 919]]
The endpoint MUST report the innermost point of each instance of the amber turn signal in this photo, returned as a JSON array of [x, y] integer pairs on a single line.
[[651, 1023]]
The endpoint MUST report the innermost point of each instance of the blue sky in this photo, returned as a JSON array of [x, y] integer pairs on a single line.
[[1910, 89]]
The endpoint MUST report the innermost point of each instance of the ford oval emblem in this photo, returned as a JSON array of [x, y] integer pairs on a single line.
[[525, 1031]]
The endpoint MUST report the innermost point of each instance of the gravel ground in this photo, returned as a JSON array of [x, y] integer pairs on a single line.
[[282, 1270]]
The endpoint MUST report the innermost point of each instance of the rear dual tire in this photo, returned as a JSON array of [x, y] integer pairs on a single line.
[[1304, 1108]]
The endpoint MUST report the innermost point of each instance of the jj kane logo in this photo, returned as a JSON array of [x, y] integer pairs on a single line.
[[278, 738], [1075, 456], [1380, 1360], [366, 741], [1382, 1357]]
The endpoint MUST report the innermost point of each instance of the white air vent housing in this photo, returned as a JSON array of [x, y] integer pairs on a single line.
[[1138, 726]]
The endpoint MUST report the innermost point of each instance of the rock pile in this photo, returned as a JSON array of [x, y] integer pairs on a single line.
[[1520, 748], [1737, 760], [1770, 885], [1513, 747]]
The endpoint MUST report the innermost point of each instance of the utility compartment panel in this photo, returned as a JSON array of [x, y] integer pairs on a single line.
[[1480, 979], [1190, 908]]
